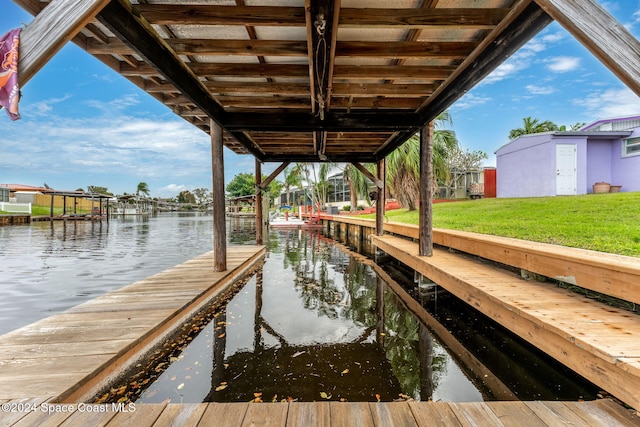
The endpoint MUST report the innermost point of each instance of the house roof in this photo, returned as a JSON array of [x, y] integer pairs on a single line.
[[23, 187], [319, 80], [614, 123], [595, 135]]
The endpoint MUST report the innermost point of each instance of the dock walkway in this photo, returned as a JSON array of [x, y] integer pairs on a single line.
[[595, 340], [68, 355], [603, 413]]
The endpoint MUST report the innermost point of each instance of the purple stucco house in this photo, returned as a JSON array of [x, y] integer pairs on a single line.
[[569, 163]]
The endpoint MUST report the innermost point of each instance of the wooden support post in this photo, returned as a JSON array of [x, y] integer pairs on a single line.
[[425, 225], [258, 203], [51, 29], [219, 223], [380, 198], [599, 32]]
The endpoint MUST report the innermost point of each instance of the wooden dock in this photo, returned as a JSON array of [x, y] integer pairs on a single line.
[[595, 340], [603, 413], [48, 368], [70, 355]]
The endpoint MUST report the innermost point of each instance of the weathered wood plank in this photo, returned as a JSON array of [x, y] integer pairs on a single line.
[[224, 414], [43, 419], [515, 414], [294, 16], [604, 413], [20, 408], [142, 416], [303, 414], [269, 414], [393, 414], [554, 413], [434, 413], [91, 418], [181, 415], [351, 414], [472, 414], [50, 30]]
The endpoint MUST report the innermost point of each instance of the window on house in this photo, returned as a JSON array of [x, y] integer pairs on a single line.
[[631, 147]]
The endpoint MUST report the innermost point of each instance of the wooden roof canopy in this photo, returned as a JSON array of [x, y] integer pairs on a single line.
[[310, 80]]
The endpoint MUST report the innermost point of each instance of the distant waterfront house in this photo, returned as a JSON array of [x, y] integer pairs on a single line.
[[570, 163], [4, 194]]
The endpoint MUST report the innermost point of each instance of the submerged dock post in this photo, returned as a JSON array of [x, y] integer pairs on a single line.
[[258, 203]]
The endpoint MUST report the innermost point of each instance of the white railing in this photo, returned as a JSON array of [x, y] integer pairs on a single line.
[[16, 207]]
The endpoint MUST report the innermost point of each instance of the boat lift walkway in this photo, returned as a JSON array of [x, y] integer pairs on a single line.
[[595, 340]]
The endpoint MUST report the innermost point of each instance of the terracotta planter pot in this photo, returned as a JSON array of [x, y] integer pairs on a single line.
[[601, 187], [615, 188]]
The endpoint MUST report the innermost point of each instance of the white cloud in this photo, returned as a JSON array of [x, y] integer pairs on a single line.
[[610, 103], [118, 146], [540, 90], [563, 64], [171, 190], [42, 108], [523, 58], [470, 100], [116, 105], [505, 70]]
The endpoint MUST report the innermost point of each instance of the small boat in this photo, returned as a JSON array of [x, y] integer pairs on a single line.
[[286, 221]]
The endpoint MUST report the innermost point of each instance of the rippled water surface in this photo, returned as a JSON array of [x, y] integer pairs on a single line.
[[48, 267]]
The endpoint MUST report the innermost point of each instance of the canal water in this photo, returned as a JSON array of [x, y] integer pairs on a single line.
[[47, 267], [315, 322]]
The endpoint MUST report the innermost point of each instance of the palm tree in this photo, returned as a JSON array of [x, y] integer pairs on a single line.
[[358, 184], [532, 126], [403, 164], [291, 179], [143, 188]]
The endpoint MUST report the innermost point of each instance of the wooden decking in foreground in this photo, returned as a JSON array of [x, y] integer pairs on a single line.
[[336, 414], [68, 355], [595, 340]]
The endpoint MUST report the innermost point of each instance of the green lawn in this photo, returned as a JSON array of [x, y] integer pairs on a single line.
[[601, 222]]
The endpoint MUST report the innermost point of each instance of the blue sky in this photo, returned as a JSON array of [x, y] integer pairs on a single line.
[[83, 124]]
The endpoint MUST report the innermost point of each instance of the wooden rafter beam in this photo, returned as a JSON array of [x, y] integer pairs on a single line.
[[213, 47], [599, 32], [264, 184], [296, 48], [475, 18], [334, 121], [405, 49], [176, 14], [377, 182], [370, 72], [50, 30]]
